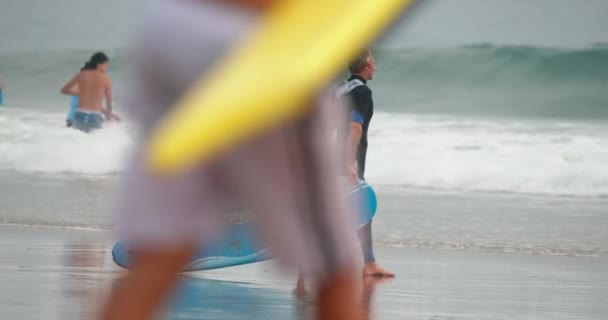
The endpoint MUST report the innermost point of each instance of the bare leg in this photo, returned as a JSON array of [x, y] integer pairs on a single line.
[[300, 290], [371, 267], [339, 298], [148, 284]]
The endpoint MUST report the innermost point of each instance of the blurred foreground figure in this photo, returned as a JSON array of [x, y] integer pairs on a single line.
[[285, 176]]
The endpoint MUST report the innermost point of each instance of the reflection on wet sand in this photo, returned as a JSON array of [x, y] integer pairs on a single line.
[[87, 272], [201, 298], [304, 300], [369, 289], [209, 299], [88, 269]]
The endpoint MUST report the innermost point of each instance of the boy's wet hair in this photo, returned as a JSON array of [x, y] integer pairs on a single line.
[[360, 61], [96, 59]]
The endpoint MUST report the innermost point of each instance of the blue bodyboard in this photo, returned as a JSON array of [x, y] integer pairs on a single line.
[[239, 244]]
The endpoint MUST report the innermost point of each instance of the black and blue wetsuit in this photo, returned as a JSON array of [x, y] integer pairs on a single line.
[[362, 111]]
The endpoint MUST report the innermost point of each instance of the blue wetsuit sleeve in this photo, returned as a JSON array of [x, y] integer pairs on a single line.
[[356, 116]]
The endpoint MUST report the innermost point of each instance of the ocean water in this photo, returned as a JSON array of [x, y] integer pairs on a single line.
[[490, 131]]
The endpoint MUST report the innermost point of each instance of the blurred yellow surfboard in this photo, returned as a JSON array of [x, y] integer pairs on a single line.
[[298, 48]]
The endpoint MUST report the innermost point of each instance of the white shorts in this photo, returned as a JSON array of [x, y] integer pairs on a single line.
[[285, 177]]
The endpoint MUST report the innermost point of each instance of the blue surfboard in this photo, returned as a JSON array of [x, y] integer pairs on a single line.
[[74, 102], [239, 243], [1, 97]]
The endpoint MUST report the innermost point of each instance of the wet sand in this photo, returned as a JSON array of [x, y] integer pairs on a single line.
[[49, 273]]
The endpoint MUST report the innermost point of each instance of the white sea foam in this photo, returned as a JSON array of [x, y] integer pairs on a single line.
[[40, 142], [494, 156]]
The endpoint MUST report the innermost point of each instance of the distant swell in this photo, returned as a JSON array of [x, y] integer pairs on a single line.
[[488, 80], [51, 63], [486, 62]]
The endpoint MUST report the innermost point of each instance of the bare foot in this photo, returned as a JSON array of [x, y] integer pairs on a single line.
[[370, 283], [374, 270]]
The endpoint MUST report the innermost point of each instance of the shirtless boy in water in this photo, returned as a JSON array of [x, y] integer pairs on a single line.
[[91, 85]]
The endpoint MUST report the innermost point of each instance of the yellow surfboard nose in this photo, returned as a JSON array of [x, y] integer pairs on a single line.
[[299, 46]]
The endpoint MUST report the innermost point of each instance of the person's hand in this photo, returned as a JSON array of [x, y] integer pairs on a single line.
[[353, 174], [107, 115], [115, 117]]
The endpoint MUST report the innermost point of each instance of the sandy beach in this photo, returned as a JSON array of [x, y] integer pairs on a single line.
[[56, 273]]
